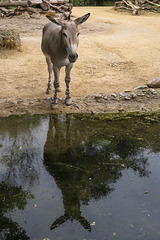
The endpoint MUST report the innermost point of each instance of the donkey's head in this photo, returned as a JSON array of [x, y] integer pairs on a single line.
[[70, 34]]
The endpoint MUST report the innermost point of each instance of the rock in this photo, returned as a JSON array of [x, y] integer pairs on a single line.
[[154, 83], [153, 91], [140, 94], [13, 102], [97, 97], [35, 15], [105, 98], [2, 100], [19, 100], [127, 98], [24, 15], [127, 91], [113, 95], [76, 105], [141, 87], [25, 104], [133, 95], [122, 94]]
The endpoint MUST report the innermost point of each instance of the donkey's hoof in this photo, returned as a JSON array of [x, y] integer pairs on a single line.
[[68, 101], [54, 106], [58, 89], [48, 91]]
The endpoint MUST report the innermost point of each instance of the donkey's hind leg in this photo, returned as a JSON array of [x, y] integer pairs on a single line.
[[50, 68]]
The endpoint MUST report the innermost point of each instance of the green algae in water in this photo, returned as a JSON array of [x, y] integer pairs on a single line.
[[149, 116]]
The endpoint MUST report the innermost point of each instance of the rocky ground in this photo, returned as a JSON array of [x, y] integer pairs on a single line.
[[141, 99]]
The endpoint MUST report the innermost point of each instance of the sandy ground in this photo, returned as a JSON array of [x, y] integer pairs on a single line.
[[117, 52]]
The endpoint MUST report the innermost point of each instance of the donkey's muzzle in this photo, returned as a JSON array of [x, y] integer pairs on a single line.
[[73, 57]]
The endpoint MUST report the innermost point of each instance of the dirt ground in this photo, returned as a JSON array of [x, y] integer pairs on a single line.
[[117, 52]]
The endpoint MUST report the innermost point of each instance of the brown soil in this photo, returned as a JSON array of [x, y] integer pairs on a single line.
[[117, 52]]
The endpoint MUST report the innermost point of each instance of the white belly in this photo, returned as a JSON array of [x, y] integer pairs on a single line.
[[62, 62], [59, 62]]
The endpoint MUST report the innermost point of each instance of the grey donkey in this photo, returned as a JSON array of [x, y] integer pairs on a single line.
[[60, 40]]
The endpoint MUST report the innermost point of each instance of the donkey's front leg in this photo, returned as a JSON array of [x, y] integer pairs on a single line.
[[67, 81], [50, 68], [56, 71]]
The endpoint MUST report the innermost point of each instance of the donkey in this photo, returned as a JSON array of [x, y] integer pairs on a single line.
[[60, 40]]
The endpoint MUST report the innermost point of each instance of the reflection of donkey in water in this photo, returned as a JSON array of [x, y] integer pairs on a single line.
[[66, 175], [79, 176]]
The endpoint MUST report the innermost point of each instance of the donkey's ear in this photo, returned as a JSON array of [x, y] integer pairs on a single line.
[[82, 19], [55, 21]]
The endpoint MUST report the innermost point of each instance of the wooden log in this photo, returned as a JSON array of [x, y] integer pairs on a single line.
[[13, 4], [29, 3], [45, 5], [38, 2], [59, 1], [122, 7], [153, 8], [118, 4], [4, 10], [155, 4], [56, 8], [67, 7], [48, 12], [138, 4], [33, 10], [29, 9], [12, 12], [130, 4]]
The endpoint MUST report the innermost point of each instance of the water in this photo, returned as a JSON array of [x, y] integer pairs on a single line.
[[64, 178]]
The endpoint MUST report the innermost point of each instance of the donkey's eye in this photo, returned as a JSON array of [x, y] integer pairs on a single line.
[[64, 34], [78, 34]]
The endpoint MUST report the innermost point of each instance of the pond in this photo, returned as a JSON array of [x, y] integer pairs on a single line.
[[68, 177]]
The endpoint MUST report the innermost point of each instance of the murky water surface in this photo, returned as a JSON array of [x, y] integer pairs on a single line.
[[64, 178]]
